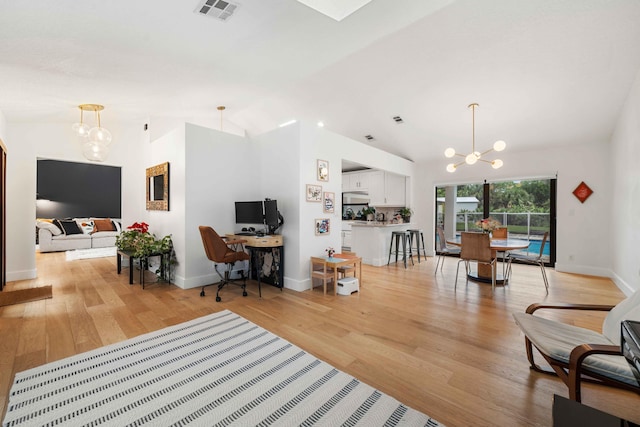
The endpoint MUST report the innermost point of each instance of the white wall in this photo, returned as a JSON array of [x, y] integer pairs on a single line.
[[28, 141], [320, 143], [583, 240], [3, 126], [625, 207]]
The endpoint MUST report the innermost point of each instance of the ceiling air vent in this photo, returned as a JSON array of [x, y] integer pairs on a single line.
[[219, 9], [369, 137], [398, 119]]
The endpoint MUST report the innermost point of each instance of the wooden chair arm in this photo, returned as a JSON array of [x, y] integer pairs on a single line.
[[577, 356], [560, 306]]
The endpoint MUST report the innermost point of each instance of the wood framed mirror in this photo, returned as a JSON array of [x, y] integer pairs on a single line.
[[157, 183]]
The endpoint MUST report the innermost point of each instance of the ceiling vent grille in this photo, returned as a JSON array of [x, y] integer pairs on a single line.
[[218, 9]]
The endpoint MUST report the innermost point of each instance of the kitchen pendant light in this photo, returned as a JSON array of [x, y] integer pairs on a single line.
[[475, 156]]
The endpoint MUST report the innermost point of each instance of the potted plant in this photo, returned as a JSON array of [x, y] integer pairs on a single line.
[[369, 212], [406, 214]]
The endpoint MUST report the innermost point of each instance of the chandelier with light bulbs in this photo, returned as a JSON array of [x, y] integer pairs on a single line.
[[95, 140], [475, 156]]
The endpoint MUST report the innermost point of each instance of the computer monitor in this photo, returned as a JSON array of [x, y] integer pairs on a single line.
[[271, 213], [249, 213]]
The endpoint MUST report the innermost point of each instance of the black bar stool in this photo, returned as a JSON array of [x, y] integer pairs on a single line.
[[418, 236], [405, 238]]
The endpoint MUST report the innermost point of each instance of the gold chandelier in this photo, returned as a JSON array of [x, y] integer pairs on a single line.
[[475, 156], [95, 140]]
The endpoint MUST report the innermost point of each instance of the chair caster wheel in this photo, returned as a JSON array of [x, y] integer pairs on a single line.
[[244, 294], [218, 299], [201, 293]]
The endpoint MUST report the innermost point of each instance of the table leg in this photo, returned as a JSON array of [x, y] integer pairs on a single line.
[[130, 270], [119, 262], [335, 280]]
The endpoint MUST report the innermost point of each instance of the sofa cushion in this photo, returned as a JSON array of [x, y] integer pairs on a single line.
[[103, 225], [86, 225], [55, 231], [69, 227]]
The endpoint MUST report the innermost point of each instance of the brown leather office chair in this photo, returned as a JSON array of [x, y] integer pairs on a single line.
[[219, 252]]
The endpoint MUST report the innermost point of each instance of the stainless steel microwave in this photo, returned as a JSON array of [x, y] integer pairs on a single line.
[[355, 198]]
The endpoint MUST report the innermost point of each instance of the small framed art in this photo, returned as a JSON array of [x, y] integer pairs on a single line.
[[323, 226], [582, 192], [328, 202], [323, 170], [314, 193]]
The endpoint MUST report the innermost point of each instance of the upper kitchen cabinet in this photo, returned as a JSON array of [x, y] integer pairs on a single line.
[[355, 181], [386, 189]]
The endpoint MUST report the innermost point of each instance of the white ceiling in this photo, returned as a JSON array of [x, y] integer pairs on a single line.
[[544, 72]]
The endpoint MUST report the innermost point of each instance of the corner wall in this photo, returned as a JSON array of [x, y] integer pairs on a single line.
[[625, 206]]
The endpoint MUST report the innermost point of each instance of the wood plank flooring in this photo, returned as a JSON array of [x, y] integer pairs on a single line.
[[455, 355]]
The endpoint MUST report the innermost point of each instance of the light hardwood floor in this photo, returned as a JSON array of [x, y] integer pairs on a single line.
[[455, 355]]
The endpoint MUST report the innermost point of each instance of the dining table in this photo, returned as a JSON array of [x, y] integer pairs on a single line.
[[482, 272]]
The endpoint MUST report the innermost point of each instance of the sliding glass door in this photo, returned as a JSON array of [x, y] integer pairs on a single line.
[[525, 207]]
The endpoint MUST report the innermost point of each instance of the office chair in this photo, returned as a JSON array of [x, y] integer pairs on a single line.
[[219, 252]]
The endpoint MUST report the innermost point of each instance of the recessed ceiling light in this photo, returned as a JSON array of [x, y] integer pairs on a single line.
[[290, 122], [320, 124]]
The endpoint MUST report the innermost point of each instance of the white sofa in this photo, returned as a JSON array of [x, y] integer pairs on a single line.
[[52, 239]]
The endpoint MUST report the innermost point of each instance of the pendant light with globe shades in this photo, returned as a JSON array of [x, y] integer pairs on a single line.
[[95, 140], [475, 156]]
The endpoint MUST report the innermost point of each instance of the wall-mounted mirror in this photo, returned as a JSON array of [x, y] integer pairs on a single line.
[[157, 183]]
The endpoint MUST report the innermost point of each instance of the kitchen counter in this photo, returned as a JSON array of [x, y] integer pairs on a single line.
[[376, 224], [370, 240]]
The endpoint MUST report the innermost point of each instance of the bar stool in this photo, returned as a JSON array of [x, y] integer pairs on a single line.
[[405, 238], [418, 235]]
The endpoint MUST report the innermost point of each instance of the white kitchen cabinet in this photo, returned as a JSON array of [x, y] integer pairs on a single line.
[[394, 189], [387, 189], [355, 181], [346, 240], [376, 188]]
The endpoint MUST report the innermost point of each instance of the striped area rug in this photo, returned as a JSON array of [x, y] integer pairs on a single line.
[[218, 370]]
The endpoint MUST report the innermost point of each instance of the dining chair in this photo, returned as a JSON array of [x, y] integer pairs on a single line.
[[320, 270], [444, 249], [501, 233], [477, 247], [532, 259]]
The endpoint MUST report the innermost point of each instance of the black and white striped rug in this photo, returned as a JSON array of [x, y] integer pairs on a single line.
[[219, 369]]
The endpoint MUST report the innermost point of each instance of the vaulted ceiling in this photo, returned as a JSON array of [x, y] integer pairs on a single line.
[[543, 72]]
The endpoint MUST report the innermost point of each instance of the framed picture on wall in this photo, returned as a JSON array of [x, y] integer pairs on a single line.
[[328, 202], [323, 170], [323, 226], [314, 193]]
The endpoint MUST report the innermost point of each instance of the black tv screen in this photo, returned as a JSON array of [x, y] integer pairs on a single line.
[[271, 213], [249, 213]]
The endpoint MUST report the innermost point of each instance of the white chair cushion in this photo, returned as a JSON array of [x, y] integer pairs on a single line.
[[557, 339]]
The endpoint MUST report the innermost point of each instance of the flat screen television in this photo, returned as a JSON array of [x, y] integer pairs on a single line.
[[249, 213], [271, 213]]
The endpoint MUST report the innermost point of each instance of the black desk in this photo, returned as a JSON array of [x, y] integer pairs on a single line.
[[144, 261], [259, 247]]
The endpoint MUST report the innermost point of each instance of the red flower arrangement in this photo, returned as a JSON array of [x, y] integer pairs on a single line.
[[142, 227]]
